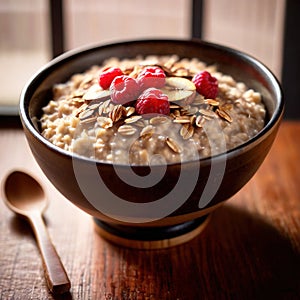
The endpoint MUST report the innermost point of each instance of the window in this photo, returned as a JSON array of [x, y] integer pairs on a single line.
[[24, 46]]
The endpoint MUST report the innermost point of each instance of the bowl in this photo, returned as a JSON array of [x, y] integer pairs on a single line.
[[160, 205]]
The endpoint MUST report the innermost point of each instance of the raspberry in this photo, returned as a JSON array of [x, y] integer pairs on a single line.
[[124, 89], [206, 84], [107, 76], [152, 101], [151, 77]]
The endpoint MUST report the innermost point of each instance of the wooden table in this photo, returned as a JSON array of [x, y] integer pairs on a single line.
[[249, 250]]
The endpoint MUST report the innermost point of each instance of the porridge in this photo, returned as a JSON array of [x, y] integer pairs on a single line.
[[157, 109]]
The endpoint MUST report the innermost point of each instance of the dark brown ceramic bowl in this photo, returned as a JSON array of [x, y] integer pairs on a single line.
[[186, 192]]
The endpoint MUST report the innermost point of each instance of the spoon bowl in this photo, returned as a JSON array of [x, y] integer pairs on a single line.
[[26, 197], [24, 194]]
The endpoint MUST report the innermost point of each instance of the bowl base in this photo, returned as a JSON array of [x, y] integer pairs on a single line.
[[151, 237]]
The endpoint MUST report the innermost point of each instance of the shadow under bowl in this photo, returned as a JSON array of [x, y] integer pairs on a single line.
[[186, 193]]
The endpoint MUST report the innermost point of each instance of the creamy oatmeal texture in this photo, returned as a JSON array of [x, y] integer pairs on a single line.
[[82, 118]]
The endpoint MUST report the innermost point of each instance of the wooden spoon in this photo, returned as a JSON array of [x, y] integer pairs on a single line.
[[25, 196]]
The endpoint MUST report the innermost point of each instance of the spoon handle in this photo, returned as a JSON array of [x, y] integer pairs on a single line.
[[55, 273]]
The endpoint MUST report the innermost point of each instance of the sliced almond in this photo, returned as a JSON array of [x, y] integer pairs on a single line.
[[129, 111], [182, 120], [140, 123], [158, 120], [147, 132], [180, 71], [86, 114], [207, 113], [187, 131], [88, 120], [105, 107], [224, 115], [79, 110], [193, 119], [173, 145], [212, 102], [132, 119], [174, 106], [93, 106], [199, 121], [104, 122], [179, 90], [110, 108], [100, 109], [116, 113], [127, 130], [95, 93]]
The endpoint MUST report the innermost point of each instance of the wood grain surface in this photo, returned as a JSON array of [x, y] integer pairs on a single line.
[[249, 250]]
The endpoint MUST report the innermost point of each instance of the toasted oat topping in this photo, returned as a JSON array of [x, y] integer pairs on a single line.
[[82, 118]]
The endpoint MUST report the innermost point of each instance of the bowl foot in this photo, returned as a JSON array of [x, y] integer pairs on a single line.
[[151, 237]]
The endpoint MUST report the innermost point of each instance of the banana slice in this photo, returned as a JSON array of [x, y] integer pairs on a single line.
[[179, 90]]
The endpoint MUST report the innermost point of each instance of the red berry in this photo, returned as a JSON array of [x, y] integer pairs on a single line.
[[151, 77], [206, 84], [107, 76], [152, 101], [124, 89]]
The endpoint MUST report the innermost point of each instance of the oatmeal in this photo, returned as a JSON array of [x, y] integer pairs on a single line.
[[158, 109]]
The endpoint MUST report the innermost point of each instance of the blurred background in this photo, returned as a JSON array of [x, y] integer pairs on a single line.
[[35, 31]]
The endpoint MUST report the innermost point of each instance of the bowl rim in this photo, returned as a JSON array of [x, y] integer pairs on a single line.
[[71, 54]]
